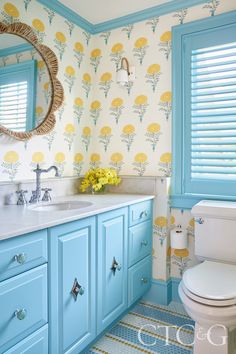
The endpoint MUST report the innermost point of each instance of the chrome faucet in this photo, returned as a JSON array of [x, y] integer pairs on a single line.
[[37, 193]]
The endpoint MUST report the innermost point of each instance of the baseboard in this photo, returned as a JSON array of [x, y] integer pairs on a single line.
[[175, 284], [163, 292]]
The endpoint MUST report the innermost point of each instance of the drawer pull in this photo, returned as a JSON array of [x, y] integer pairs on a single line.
[[115, 266], [21, 314], [143, 214], [144, 243], [77, 289], [20, 258], [144, 280]]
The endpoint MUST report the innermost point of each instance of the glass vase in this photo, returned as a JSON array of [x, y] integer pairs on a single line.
[[100, 192]]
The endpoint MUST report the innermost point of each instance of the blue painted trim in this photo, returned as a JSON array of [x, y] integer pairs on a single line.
[[184, 192], [70, 15], [143, 15], [160, 292], [163, 292], [16, 49], [26, 71], [184, 201], [155, 11], [174, 289]]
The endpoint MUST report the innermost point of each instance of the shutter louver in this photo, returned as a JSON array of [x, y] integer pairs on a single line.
[[213, 113], [13, 105]]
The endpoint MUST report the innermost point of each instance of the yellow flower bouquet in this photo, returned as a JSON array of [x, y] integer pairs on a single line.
[[98, 178]]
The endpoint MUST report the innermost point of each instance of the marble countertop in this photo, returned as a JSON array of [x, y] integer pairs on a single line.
[[17, 220]]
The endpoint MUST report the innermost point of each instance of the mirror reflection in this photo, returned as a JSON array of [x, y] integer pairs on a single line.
[[25, 86]]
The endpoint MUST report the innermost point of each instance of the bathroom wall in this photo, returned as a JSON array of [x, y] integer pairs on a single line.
[[102, 124], [63, 146], [133, 124]]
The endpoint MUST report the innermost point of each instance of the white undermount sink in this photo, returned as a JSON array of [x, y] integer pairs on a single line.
[[60, 206]]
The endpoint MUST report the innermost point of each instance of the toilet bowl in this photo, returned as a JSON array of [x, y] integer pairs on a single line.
[[208, 290], [208, 293]]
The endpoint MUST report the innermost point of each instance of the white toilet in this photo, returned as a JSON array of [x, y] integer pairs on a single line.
[[208, 290]]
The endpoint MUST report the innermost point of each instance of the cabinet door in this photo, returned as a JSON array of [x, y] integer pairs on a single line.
[[72, 258], [112, 266]]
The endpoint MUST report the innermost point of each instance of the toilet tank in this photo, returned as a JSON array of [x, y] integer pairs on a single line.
[[215, 230]]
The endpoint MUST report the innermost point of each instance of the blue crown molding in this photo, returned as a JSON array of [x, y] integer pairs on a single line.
[[70, 15], [143, 15], [155, 11], [16, 49]]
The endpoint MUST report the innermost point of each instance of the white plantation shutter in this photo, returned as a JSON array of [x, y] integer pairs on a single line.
[[204, 110], [213, 112], [13, 105]]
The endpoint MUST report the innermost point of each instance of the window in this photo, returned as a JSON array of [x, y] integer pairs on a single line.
[[204, 113], [17, 92]]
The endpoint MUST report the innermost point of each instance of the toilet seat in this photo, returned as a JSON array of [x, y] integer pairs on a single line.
[[211, 283]]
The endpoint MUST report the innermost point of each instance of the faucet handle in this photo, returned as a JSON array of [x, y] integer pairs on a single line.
[[46, 196], [21, 197], [33, 198]]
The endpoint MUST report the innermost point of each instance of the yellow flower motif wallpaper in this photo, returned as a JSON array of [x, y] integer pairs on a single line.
[[116, 108], [10, 13], [39, 29], [100, 123], [78, 163], [87, 83], [95, 58], [78, 53], [117, 53], [116, 161], [86, 137]]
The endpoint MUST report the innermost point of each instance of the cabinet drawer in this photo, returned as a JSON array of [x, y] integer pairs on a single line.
[[139, 279], [140, 212], [36, 343], [23, 306], [140, 241], [22, 253]]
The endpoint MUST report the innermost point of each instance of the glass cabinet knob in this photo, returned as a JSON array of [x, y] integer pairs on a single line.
[[20, 258], [21, 314], [144, 243], [144, 280]]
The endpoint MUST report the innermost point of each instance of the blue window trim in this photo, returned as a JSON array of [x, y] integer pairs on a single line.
[[27, 71], [179, 197], [16, 49]]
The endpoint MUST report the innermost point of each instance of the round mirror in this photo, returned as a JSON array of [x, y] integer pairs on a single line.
[[29, 89], [25, 85]]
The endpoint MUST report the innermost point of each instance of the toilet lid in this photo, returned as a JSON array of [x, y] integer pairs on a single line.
[[212, 280]]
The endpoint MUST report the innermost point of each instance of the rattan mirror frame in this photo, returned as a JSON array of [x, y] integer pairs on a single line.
[[50, 59]]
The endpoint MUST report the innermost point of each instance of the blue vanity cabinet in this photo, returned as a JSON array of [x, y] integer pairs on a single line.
[[36, 343], [140, 250], [72, 265], [112, 266], [23, 305], [19, 254], [61, 287]]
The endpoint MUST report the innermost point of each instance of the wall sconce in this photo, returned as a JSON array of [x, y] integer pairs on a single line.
[[125, 73]]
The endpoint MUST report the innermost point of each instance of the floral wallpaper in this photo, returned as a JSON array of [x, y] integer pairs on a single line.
[[132, 129], [63, 146], [102, 124]]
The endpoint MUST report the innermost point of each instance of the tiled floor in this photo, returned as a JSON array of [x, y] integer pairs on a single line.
[[123, 338]]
